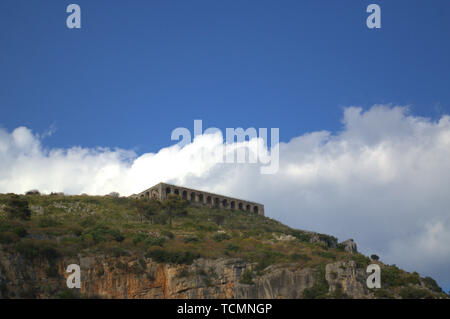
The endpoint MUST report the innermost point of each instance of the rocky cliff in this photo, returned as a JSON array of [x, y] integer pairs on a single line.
[[142, 278], [137, 249]]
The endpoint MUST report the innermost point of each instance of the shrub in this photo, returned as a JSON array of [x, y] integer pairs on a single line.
[[430, 283], [117, 252], [48, 252], [8, 238], [11, 232], [414, 293], [374, 257], [247, 277], [67, 293], [219, 219], [320, 287], [326, 254], [103, 233], [45, 222], [330, 241], [17, 208], [173, 257], [117, 235], [267, 258], [299, 257], [383, 294], [139, 237], [28, 249], [361, 260], [191, 239], [114, 195], [155, 241], [183, 273], [168, 234], [33, 192], [31, 250], [220, 237], [301, 235], [232, 247]]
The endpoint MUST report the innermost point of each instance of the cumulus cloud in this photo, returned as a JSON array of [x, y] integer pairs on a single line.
[[383, 180]]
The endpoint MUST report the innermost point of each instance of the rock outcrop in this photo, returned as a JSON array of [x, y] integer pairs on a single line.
[[350, 246], [127, 277]]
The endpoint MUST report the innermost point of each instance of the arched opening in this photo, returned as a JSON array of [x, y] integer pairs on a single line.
[[225, 203], [241, 207], [233, 205], [255, 209], [184, 195], [168, 190], [216, 202], [247, 208], [192, 197], [208, 200], [200, 198], [176, 192], [147, 194]]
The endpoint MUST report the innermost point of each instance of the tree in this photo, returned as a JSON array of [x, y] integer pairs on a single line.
[[174, 206], [114, 194], [147, 208], [17, 208]]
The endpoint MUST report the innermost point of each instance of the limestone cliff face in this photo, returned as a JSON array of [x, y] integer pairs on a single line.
[[127, 277]]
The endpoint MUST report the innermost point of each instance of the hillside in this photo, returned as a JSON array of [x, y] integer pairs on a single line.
[[145, 249]]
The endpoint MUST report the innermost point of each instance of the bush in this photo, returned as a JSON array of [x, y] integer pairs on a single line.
[[414, 293], [31, 250], [28, 249], [17, 208], [173, 257], [247, 277], [139, 237], [183, 273], [302, 236], [67, 293], [168, 234], [8, 238], [103, 233], [117, 252], [299, 257], [15, 229], [431, 284], [45, 222], [232, 247], [191, 239], [361, 260], [320, 287], [374, 257], [267, 258], [155, 241], [33, 192], [220, 237], [114, 195], [326, 255]]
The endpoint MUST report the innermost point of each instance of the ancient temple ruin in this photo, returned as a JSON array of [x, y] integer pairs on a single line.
[[162, 190]]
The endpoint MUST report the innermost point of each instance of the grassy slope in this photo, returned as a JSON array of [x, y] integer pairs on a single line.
[[91, 225]]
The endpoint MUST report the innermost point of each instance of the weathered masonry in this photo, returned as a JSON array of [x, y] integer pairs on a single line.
[[162, 190]]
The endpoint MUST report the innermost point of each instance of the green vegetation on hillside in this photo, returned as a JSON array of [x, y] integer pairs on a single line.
[[53, 226]]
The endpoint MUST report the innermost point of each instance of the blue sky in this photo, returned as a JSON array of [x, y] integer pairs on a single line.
[[138, 69]]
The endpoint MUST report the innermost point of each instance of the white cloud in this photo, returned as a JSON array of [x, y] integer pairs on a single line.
[[383, 180]]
